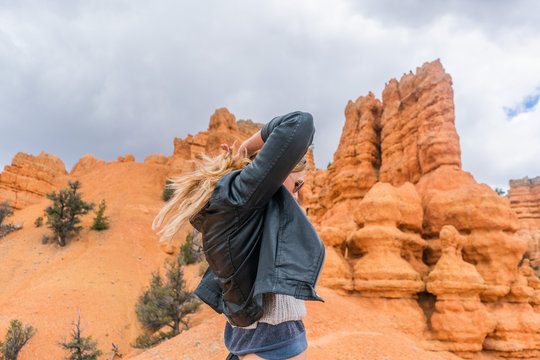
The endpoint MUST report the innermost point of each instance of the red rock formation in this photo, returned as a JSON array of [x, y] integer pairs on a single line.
[[248, 127], [460, 322], [354, 170], [413, 131], [486, 217], [223, 129], [157, 159], [524, 195], [517, 333], [417, 125], [127, 158], [390, 220], [29, 178], [86, 163]]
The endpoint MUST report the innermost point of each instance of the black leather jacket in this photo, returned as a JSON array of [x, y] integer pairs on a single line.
[[256, 238]]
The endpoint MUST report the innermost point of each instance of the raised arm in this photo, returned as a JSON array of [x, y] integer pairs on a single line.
[[286, 139]]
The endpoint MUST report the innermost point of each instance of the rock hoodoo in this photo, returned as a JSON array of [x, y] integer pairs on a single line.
[[395, 206], [390, 220], [460, 322]]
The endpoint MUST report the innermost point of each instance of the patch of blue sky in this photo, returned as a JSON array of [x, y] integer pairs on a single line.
[[528, 104]]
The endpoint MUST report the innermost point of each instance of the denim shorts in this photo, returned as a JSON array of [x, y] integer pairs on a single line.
[[274, 342]]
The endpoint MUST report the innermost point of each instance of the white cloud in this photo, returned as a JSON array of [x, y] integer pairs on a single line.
[[126, 77]]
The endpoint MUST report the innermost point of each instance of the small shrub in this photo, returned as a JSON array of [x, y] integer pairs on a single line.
[[16, 337], [165, 303], [187, 252], [101, 222], [168, 191], [500, 191], [148, 340], [80, 348], [63, 215], [39, 221], [5, 211]]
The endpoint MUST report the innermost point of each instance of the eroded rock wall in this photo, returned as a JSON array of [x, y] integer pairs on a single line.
[[524, 195], [29, 178]]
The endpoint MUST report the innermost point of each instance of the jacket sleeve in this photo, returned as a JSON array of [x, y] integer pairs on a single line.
[[286, 140]]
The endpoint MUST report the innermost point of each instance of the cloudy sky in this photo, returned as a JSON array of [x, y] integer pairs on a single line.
[[127, 76]]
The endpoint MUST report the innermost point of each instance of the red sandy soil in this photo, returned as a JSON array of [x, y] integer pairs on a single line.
[[101, 274], [344, 327]]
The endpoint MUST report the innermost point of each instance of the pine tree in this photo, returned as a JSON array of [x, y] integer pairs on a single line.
[[100, 221], [17, 336], [63, 215], [80, 348], [166, 303]]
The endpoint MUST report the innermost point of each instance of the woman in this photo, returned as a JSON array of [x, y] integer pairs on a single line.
[[264, 255]]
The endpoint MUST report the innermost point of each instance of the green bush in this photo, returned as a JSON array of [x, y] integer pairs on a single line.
[[80, 347], [16, 337], [166, 303], [168, 191], [148, 340], [39, 221], [5, 211], [63, 215], [187, 252], [101, 222]]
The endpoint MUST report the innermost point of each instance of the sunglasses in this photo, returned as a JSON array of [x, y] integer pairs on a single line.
[[297, 185]]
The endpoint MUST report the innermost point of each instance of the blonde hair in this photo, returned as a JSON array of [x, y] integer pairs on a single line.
[[192, 190], [301, 166]]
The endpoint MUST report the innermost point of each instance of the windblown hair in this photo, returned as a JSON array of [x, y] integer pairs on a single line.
[[192, 190], [300, 166]]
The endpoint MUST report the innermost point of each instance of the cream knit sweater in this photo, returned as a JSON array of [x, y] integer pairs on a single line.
[[279, 308]]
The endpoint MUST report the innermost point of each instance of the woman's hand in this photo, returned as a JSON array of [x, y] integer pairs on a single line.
[[247, 148], [237, 154]]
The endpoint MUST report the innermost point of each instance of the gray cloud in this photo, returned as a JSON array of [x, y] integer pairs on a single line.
[[112, 78]]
